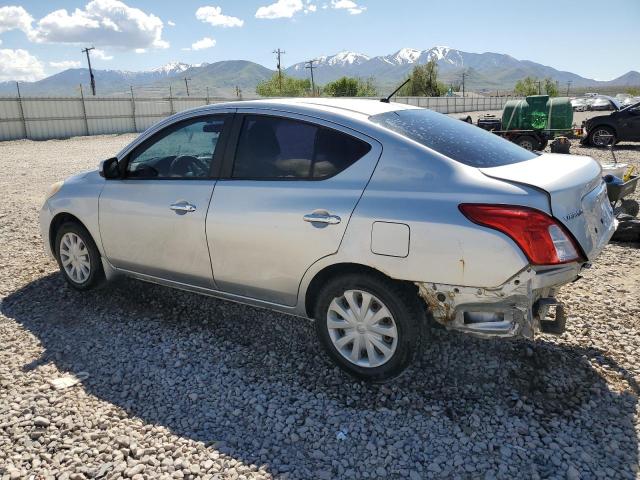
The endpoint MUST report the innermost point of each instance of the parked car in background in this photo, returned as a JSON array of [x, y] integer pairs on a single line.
[[360, 214], [603, 102], [579, 104], [619, 126]]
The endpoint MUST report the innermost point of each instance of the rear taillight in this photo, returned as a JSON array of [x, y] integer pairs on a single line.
[[540, 236]]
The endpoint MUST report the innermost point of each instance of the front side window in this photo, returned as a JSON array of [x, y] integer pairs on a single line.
[[281, 148], [185, 150], [457, 140]]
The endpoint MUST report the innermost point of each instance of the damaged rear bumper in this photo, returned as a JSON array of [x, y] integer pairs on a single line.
[[519, 307]]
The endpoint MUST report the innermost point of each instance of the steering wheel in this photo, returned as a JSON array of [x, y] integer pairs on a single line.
[[188, 166]]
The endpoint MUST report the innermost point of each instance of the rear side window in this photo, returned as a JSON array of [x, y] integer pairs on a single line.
[[457, 140], [281, 148]]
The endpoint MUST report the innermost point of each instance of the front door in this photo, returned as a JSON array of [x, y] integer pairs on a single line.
[[152, 220], [630, 124], [285, 202]]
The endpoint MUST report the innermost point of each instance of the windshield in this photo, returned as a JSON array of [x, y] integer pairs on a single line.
[[457, 140], [633, 105]]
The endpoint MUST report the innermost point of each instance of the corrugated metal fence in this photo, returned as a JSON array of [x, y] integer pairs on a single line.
[[41, 118]]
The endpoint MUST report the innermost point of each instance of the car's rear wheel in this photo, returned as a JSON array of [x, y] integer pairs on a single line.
[[369, 325], [602, 136], [78, 257]]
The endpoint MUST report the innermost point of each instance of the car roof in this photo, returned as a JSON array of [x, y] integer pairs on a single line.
[[346, 107]]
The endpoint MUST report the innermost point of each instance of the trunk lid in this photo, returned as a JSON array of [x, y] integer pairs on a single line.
[[577, 193]]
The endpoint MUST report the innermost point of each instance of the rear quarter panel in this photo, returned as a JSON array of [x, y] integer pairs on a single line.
[[422, 189]]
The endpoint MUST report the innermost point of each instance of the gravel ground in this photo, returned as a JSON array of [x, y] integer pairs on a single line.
[[175, 385]]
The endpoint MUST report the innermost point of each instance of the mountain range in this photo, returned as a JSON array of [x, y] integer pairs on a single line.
[[482, 71]]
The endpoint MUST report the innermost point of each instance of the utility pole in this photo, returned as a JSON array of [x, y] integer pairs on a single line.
[[310, 66], [464, 74], [186, 84], [93, 80], [539, 82], [279, 53], [568, 86]]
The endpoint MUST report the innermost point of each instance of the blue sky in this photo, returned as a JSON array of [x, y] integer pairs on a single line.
[[42, 37]]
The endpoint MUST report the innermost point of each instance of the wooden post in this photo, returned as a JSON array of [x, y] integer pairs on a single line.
[[171, 110], [24, 120], [84, 110], [133, 110]]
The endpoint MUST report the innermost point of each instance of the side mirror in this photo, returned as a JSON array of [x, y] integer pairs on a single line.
[[109, 168]]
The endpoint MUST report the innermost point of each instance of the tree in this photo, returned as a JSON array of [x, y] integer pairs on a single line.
[[633, 91], [424, 82], [291, 87], [527, 86], [551, 87], [350, 87], [533, 86]]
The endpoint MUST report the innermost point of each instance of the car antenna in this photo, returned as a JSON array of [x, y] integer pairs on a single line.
[[386, 99]]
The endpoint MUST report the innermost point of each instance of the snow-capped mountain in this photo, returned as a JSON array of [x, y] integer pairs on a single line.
[[403, 56], [482, 71], [340, 60], [172, 68]]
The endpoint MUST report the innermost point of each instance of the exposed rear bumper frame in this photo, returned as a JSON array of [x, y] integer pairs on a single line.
[[519, 307]]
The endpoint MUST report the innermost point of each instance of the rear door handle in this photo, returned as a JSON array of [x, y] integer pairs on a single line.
[[322, 218], [182, 207]]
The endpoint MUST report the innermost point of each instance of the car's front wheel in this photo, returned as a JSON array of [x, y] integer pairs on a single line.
[[602, 136], [78, 257], [369, 325]]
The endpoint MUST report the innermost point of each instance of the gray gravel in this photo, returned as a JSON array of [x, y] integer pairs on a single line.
[[174, 385]]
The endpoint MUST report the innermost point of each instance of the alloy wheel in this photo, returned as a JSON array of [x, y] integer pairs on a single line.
[[602, 137]]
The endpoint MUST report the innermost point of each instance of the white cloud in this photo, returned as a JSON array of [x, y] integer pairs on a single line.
[[64, 64], [19, 65], [206, 42], [214, 16], [310, 8], [352, 7], [171, 23], [102, 22], [101, 54], [280, 9], [15, 18]]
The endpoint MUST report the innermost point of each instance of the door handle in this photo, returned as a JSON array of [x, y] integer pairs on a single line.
[[322, 218], [182, 207]]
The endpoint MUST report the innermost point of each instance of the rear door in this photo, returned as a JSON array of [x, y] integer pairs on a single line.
[[152, 220], [288, 188]]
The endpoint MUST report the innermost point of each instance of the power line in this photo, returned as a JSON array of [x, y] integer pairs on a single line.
[[310, 66], [279, 53], [93, 80]]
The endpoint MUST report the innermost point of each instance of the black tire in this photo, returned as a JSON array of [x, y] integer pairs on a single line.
[[527, 141], [628, 206], [597, 132], [405, 306], [96, 273]]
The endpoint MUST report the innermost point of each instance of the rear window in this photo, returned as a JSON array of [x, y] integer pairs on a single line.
[[454, 138]]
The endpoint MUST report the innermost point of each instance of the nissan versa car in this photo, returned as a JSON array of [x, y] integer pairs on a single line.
[[368, 217]]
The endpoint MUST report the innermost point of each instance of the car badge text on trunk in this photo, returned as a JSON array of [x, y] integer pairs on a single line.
[[573, 215]]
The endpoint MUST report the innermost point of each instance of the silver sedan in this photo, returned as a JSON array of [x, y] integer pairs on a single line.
[[372, 218]]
